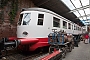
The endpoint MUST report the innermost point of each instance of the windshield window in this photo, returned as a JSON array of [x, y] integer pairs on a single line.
[[26, 19]]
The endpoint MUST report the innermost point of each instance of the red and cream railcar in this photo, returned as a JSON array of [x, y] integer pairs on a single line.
[[36, 23]]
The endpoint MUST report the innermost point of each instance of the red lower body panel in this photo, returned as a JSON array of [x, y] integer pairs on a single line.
[[25, 41], [41, 43], [31, 43]]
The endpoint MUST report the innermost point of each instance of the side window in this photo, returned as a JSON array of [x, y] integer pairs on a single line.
[[64, 24], [40, 19], [80, 28], [76, 27], [72, 27], [56, 22], [69, 26]]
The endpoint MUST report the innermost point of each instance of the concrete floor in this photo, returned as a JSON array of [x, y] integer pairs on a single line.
[[79, 53]]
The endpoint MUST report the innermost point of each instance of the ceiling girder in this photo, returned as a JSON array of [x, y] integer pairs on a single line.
[[81, 8], [58, 7]]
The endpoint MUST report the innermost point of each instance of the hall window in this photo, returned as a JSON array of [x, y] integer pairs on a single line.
[[40, 19], [56, 22]]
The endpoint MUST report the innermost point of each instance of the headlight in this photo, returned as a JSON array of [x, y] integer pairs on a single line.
[[25, 33]]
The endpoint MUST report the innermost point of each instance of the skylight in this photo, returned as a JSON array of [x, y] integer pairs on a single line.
[[81, 8]]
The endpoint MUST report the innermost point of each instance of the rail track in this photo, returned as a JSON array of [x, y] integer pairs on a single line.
[[15, 55]]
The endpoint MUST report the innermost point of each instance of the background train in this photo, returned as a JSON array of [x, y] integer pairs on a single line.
[[34, 26]]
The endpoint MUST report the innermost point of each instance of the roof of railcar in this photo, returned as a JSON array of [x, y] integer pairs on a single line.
[[58, 7], [44, 10]]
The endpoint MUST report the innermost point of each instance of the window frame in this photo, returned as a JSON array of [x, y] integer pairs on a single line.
[[40, 19], [69, 25], [64, 24], [25, 19], [55, 21]]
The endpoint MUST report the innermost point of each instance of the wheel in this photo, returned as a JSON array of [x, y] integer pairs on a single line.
[[73, 46], [60, 59], [51, 49], [63, 52], [70, 48]]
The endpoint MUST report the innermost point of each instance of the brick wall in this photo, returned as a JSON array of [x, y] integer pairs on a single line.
[[7, 29]]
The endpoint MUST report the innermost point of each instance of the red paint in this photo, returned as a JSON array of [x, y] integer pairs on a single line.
[[33, 43], [50, 55], [41, 43], [28, 41], [12, 38]]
